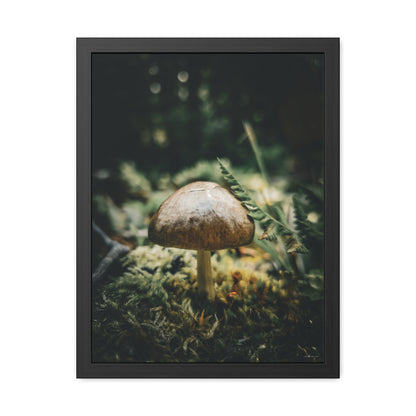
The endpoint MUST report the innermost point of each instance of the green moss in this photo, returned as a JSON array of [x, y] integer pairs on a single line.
[[152, 312]]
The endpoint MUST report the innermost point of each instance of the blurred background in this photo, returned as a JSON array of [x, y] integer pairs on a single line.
[[166, 111], [155, 115]]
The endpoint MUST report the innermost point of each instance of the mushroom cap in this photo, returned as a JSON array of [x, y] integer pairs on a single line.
[[201, 216]]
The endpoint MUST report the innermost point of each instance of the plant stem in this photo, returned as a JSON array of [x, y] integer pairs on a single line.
[[204, 279], [257, 153]]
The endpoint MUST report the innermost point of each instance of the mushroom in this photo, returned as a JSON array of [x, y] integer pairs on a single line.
[[202, 216]]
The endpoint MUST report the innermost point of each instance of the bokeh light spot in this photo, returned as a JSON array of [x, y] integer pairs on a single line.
[[154, 70], [160, 137], [203, 92], [183, 93], [183, 76], [155, 88], [313, 217]]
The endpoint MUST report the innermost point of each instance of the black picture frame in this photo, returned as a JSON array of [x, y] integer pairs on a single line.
[[330, 367]]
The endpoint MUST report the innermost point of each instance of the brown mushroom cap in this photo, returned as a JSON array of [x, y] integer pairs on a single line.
[[201, 216]]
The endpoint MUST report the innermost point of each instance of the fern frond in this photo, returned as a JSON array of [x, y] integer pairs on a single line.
[[270, 225], [293, 245], [306, 229], [314, 195], [267, 223]]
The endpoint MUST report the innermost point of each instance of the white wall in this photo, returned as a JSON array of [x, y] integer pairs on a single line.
[[37, 301]]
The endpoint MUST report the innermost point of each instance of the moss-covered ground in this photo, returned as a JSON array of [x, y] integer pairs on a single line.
[[150, 311]]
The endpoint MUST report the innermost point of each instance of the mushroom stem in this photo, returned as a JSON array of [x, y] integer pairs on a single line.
[[204, 279]]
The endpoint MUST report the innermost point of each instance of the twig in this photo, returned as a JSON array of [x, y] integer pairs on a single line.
[[116, 250]]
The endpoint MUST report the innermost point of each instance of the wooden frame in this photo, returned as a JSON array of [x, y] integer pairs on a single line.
[[330, 367]]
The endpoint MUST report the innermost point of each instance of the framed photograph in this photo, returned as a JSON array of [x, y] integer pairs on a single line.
[[208, 207]]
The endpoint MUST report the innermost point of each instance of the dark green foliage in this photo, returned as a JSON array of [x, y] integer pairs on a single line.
[[311, 233], [201, 171], [315, 197], [307, 231]]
